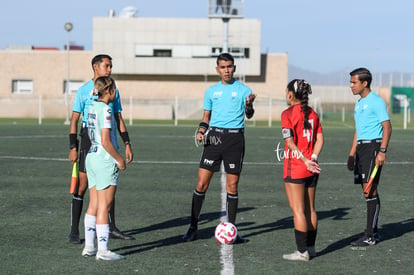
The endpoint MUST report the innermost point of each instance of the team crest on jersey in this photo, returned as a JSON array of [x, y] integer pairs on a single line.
[[233, 94], [109, 111]]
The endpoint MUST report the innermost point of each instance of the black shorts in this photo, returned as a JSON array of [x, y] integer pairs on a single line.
[[366, 153], [225, 145], [309, 181], [84, 148]]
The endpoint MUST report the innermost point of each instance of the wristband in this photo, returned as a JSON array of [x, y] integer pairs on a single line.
[[314, 157], [73, 141], [125, 138], [203, 125]]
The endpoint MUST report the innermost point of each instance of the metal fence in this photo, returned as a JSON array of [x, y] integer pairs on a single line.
[[332, 103]]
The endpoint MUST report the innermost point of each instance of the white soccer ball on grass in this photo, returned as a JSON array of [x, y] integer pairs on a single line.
[[225, 233]]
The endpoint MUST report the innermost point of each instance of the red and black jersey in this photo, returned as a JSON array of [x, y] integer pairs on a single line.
[[292, 126]]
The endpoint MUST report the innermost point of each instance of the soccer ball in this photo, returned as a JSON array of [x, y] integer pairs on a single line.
[[226, 233]]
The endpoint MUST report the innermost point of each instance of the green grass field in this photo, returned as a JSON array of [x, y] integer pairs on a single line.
[[154, 198]]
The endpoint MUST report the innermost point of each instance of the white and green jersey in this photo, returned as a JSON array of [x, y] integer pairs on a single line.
[[99, 117], [100, 166]]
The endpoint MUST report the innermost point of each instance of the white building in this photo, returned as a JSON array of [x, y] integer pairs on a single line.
[[157, 62]]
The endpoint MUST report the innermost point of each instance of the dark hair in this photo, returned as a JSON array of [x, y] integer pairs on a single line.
[[363, 75], [301, 89], [102, 83], [225, 57], [98, 58]]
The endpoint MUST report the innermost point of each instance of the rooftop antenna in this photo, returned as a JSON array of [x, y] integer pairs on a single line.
[[128, 12], [225, 9]]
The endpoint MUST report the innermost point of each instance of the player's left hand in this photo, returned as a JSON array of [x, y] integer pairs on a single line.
[[380, 159], [313, 166], [250, 99], [129, 156]]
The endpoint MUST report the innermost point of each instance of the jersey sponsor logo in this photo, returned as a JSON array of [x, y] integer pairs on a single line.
[[360, 109], [91, 115], [217, 94]]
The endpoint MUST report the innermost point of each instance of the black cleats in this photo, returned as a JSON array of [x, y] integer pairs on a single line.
[[365, 240], [116, 234], [74, 238], [240, 240], [191, 235]]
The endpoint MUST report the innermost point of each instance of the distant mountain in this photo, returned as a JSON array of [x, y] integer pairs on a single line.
[[314, 78], [341, 78]]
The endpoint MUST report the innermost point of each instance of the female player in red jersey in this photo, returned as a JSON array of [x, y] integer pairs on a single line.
[[303, 137]]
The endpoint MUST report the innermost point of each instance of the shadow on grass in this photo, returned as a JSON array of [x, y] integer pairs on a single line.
[[206, 233], [285, 223], [203, 233], [387, 232]]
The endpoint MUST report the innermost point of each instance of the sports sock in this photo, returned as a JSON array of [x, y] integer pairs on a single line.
[[102, 235], [231, 207], [311, 238], [376, 217], [112, 216], [197, 203], [76, 212], [371, 214], [301, 241], [90, 230]]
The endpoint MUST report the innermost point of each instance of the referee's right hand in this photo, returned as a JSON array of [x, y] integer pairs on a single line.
[[351, 163], [73, 155]]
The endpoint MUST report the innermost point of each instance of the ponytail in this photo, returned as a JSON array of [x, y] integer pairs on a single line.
[[302, 90]]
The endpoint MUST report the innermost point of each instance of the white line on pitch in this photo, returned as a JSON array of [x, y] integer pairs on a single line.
[[194, 162], [226, 251]]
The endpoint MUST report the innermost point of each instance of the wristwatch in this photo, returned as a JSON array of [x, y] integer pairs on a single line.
[[383, 150]]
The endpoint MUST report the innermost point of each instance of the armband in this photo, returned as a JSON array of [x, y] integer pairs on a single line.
[[73, 141], [125, 138], [203, 125], [287, 133]]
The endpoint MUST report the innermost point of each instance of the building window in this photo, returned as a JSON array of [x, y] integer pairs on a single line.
[[162, 52], [73, 87], [20, 86], [235, 51]]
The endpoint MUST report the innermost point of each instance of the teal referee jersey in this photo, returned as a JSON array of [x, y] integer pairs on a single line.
[[369, 113], [226, 103]]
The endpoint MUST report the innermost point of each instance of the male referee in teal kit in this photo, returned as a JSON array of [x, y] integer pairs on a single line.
[[222, 129]]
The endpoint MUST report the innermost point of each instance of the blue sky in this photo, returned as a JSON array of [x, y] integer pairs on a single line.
[[319, 35]]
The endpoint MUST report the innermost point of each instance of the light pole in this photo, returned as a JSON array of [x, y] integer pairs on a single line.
[[68, 28]]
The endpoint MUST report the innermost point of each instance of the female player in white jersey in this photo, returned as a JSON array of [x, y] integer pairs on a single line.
[[103, 163]]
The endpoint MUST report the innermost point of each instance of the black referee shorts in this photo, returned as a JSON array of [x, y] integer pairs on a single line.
[[225, 145], [84, 148], [366, 153]]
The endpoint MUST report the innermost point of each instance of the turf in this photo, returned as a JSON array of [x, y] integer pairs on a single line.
[[154, 198]]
